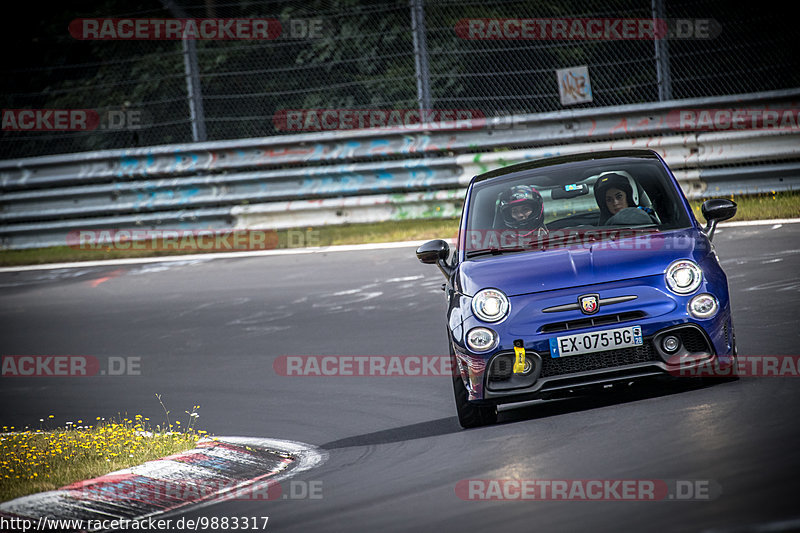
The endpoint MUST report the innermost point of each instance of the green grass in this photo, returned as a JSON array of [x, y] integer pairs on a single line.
[[758, 207]]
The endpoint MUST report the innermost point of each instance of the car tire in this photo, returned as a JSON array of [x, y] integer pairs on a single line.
[[470, 415]]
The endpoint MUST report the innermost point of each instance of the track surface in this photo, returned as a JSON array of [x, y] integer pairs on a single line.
[[207, 333]]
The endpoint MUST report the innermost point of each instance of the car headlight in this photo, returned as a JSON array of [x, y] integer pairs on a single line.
[[490, 305], [703, 306], [481, 339], [684, 276]]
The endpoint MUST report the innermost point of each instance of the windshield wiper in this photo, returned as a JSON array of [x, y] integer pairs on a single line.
[[497, 251], [485, 251]]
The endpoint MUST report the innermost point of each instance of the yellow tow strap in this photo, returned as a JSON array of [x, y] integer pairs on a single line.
[[519, 360]]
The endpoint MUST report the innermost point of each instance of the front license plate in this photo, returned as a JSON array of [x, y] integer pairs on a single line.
[[597, 341]]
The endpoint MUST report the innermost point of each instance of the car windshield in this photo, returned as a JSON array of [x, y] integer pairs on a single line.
[[572, 203]]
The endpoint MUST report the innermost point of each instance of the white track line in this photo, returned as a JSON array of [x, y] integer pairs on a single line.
[[210, 256], [758, 222]]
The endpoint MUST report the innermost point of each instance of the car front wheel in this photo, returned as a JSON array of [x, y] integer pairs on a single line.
[[470, 415]]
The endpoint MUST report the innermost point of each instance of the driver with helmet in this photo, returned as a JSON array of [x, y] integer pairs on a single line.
[[522, 208]]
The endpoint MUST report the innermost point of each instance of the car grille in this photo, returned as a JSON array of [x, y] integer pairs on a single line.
[[589, 322], [727, 338], [599, 360]]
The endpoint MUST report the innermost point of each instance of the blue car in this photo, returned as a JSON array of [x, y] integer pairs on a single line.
[[577, 272]]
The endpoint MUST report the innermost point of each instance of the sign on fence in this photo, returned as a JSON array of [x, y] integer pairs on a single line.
[[574, 86]]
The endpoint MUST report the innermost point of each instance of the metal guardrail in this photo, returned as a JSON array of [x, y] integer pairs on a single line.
[[368, 175]]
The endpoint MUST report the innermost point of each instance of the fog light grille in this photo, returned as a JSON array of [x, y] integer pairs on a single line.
[[501, 369], [694, 341]]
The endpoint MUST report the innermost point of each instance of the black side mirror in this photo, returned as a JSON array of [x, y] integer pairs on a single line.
[[715, 211], [435, 253]]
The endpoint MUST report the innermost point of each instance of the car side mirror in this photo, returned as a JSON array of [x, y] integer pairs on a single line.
[[436, 253], [715, 211]]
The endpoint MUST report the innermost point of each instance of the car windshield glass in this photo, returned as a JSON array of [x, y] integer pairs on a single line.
[[572, 204]]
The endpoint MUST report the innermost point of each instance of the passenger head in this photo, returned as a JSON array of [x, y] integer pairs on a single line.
[[522, 207], [613, 193]]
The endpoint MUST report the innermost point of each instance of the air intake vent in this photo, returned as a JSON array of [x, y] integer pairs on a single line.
[[600, 360], [603, 320]]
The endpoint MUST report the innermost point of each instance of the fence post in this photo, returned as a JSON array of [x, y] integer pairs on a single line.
[[420, 55], [663, 75], [192, 71]]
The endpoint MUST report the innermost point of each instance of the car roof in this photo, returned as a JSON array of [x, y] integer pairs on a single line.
[[563, 159]]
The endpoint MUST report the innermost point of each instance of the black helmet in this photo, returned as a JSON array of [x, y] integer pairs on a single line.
[[522, 195], [612, 181]]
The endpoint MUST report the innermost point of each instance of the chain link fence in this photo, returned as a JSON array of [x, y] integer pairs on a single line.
[[358, 55]]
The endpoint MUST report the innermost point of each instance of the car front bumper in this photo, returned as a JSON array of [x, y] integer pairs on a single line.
[[712, 343]]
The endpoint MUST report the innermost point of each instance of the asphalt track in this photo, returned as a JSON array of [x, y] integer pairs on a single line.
[[207, 332]]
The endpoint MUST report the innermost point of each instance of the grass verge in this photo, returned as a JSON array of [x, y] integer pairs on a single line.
[[756, 207], [38, 460]]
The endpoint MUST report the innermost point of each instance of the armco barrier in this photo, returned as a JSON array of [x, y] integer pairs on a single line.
[[369, 175]]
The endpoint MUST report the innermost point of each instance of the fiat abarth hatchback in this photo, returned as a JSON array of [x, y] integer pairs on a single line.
[[578, 272]]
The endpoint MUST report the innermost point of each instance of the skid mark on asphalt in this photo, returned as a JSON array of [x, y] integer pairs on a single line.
[[407, 278], [214, 305], [338, 302], [777, 286], [49, 275], [161, 267], [351, 300], [772, 257], [259, 323]]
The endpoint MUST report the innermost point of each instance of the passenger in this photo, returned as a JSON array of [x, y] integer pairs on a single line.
[[614, 197], [522, 208]]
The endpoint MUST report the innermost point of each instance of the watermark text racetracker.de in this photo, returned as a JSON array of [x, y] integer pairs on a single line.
[[211, 240], [73, 366], [441, 365], [211, 29], [154, 29], [69, 120], [735, 119], [363, 365], [644, 239], [585, 29], [634, 490], [129, 487], [391, 119], [750, 366]]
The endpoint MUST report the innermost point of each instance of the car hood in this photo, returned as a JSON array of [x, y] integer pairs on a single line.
[[529, 272]]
